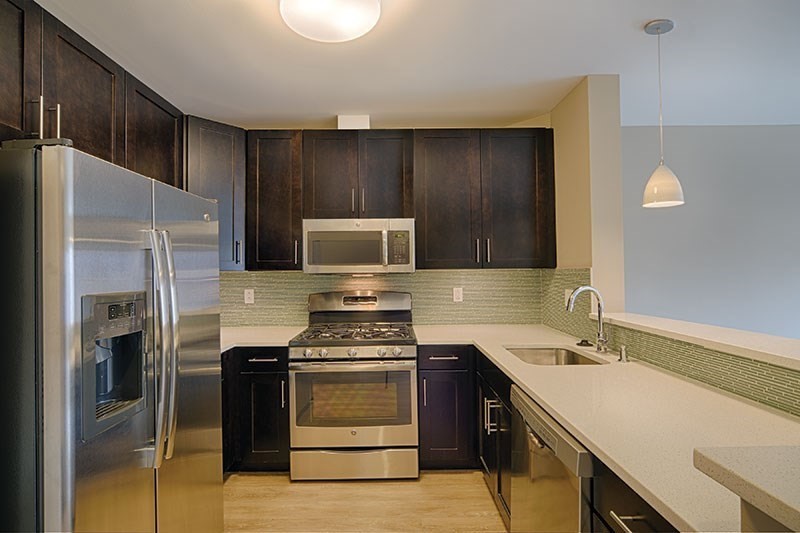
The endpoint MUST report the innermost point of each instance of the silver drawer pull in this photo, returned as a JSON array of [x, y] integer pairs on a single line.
[[443, 358], [260, 360], [620, 520]]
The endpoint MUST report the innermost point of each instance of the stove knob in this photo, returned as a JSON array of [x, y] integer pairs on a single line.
[[396, 351], [352, 352], [307, 352], [381, 352], [323, 352]]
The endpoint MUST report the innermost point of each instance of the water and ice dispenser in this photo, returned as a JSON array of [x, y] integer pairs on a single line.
[[113, 362]]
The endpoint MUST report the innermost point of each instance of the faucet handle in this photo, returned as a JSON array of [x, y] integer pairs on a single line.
[[602, 342]]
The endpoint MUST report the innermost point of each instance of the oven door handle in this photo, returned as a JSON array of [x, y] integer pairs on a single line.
[[347, 366]]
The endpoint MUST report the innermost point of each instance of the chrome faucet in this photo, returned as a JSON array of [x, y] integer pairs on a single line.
[[602, 340]]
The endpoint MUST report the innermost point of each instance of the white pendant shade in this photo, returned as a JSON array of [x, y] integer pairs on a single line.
[[663, 188], [331, 21]]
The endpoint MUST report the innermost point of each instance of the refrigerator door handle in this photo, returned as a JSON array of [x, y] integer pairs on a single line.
[[172, 413], [162, 310]]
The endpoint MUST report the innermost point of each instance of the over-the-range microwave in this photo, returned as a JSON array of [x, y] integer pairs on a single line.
[[358, 245]]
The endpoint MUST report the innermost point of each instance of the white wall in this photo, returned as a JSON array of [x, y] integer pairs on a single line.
[[731, 255]]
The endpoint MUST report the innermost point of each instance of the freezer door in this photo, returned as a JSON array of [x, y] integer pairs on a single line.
[[189, 480], [95, 263]]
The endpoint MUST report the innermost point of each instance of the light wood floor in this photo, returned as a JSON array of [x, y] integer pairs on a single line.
[[438, 501]]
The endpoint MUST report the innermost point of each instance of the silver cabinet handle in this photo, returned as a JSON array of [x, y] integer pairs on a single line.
[[57, 109], [425, 392], [477, 250], [385, 246], [295, 251], [40, 133], [488, 250], [491, 427], [260, 360], [620, 520], [363, 200], [443, 358], [283, 394], [237, 252], [352, 200]]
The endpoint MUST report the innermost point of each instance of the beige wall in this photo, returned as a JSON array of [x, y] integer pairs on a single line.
[[588, 165], [542, 121]]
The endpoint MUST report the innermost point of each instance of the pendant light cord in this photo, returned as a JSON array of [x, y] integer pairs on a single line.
[[660, 112]]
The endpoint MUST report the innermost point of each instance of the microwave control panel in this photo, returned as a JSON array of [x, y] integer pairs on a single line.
[[399, 244]]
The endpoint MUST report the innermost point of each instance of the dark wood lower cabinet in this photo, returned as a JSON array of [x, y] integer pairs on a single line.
[[446, 419], [264, 421], [495, 443]]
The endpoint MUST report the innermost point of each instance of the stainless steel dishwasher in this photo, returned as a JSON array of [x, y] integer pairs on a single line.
[[550, 472]]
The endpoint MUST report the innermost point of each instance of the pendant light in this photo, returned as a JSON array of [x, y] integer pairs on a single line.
[[331, 21], [663, 188]]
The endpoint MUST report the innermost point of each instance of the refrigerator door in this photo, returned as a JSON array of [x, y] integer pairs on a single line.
[[96, 345], [189, 479]]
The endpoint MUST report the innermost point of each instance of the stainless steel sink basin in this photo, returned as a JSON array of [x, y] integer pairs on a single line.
[[552, 356]]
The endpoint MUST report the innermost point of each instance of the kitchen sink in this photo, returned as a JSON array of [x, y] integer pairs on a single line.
[[552, 356]]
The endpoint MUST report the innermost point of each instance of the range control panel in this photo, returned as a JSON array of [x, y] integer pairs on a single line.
[[399, 246]]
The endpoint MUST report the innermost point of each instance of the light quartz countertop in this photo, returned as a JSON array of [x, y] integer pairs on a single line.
[[642, 422], [767, 477]]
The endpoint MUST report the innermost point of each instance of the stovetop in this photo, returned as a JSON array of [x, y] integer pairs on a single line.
[[351, 341], [355, 334]]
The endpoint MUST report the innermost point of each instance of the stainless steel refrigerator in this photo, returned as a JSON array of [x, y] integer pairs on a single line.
[[111, 371]]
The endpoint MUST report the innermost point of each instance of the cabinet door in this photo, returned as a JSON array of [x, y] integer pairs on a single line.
[[518, 196], [20, 68], [154, 134], [487, 443], [446, 419], [264, 411], [330, 174], [274, 219], [89, 87], [385, 173], [230, 410], [216, 169], [447, 193]]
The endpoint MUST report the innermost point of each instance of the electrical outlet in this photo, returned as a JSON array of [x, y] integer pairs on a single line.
[[458, 294], [249, 296], [567, 293]]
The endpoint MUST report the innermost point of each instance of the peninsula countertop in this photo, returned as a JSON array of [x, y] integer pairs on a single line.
[[642, 422]]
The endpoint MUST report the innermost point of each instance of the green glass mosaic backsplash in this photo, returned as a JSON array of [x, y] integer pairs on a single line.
[[490, 296]]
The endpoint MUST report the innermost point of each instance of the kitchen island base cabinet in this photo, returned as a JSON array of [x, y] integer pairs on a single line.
[[447, 435]]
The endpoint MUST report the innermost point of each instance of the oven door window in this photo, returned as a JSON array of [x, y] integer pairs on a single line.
[[353, 399]]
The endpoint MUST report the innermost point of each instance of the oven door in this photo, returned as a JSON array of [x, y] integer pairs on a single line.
[[353, 404]]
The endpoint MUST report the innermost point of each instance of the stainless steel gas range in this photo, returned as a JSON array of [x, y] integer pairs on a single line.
[[353, 388]]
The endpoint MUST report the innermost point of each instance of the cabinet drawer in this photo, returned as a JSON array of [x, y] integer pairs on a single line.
[[267, 359], [615, 501], [445, 357]]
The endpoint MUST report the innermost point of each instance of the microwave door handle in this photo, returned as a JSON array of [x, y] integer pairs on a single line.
[[172, 413], [385, 247], [162, 308]]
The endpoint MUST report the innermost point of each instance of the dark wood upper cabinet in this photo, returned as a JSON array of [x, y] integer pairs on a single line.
[[153, 134], [385, 174], [274, 196], [215, 168], [484, 199], [88, 87], [518, 196], [357, 174], [447, 196], [330, 174], [20, 68]]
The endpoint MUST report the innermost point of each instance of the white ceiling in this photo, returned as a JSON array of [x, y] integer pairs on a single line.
[[455, 62]]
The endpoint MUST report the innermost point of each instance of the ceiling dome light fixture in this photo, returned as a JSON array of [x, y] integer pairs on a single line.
[[331, 21], [663, 188]]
